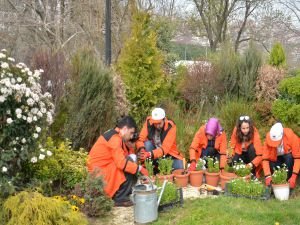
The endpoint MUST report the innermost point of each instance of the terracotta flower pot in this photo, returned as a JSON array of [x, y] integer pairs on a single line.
[[247, 177], [178, 172], [281, 191], [196, 178], [161, 178], [212, 178], [224, 178], [181, 180], [228, 174]]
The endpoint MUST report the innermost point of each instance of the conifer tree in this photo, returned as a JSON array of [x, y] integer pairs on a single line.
[[140, 65], [277, 56]]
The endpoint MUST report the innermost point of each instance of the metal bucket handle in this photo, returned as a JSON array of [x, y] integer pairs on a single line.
[[148, 179]]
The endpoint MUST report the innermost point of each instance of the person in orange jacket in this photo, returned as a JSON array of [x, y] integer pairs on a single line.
[[111, 158], [210, 140], [158, 138], [246, 144], [281, 147]]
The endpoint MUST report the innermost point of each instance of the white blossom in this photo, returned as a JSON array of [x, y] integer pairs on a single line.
[[9, 120], [42, 150], [4, 65], [19, 79], [35, 135], [23, 140], [18, 111], [33, 159], [29, 119], [19, 116], [38, 129], [49, 153], [2, 55], [4, 169], [30, 101], [41, 156], [11, 59], [2, 98]]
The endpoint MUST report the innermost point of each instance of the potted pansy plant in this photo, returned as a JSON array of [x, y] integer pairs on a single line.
[[212, 172], [165, 169], [196, 176], [280, 185], [241, 170]]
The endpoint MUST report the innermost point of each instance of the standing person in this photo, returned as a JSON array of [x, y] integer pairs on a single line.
[[111, 158], [281, 147], [246, 144], [158, 138], [210, 140]]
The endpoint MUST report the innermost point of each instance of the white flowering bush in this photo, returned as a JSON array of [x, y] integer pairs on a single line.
[[25, 112]]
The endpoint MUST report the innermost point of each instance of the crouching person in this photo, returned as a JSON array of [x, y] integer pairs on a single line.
[[281, 147], [158, 138], [116, 162]]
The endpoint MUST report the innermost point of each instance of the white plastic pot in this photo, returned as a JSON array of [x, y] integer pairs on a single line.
[[281, 191]]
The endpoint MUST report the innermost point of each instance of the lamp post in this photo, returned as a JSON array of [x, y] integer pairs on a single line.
[[108, 32]]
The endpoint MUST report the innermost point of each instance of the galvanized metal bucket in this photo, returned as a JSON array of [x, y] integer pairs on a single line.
[[145, 200]]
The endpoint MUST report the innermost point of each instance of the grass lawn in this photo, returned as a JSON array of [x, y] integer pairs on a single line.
[[227, 210]]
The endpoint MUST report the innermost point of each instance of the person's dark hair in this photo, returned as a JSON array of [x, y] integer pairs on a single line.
[[240, 136], [127, 121]]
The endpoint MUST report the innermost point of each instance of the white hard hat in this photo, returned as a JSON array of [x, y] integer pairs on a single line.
[[158, 114]]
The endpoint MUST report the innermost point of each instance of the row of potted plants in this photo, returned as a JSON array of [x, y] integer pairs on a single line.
[[214, 177]]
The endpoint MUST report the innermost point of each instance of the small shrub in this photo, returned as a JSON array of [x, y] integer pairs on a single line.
[[33, 208], [231, 110], [165, 166], [63, 169], [266, 88], [91, 102], [287, 107], [277, 56], [96, 202]]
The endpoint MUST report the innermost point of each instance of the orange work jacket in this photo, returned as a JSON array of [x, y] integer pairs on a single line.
[[168, 139], [237, 146], [109, 156], [200, 142], [290, 145]]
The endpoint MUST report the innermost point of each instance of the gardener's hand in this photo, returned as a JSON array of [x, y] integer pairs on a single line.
[[292, 181], [142, 155], [268, 180], [192, 166], [143, 171], [249, 165]]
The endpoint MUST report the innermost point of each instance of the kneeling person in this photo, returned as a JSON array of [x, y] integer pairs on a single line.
[[111, 158]]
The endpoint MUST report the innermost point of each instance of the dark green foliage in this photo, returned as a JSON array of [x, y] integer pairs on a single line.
[[248, 72], [33, 208], [90, 101], [97, 203], [140, 65], [277, 56], [239, 72], [169, 195], [287, 107], [231, 110]]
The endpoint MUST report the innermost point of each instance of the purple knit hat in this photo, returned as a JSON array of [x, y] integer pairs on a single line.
[[213, 127]]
